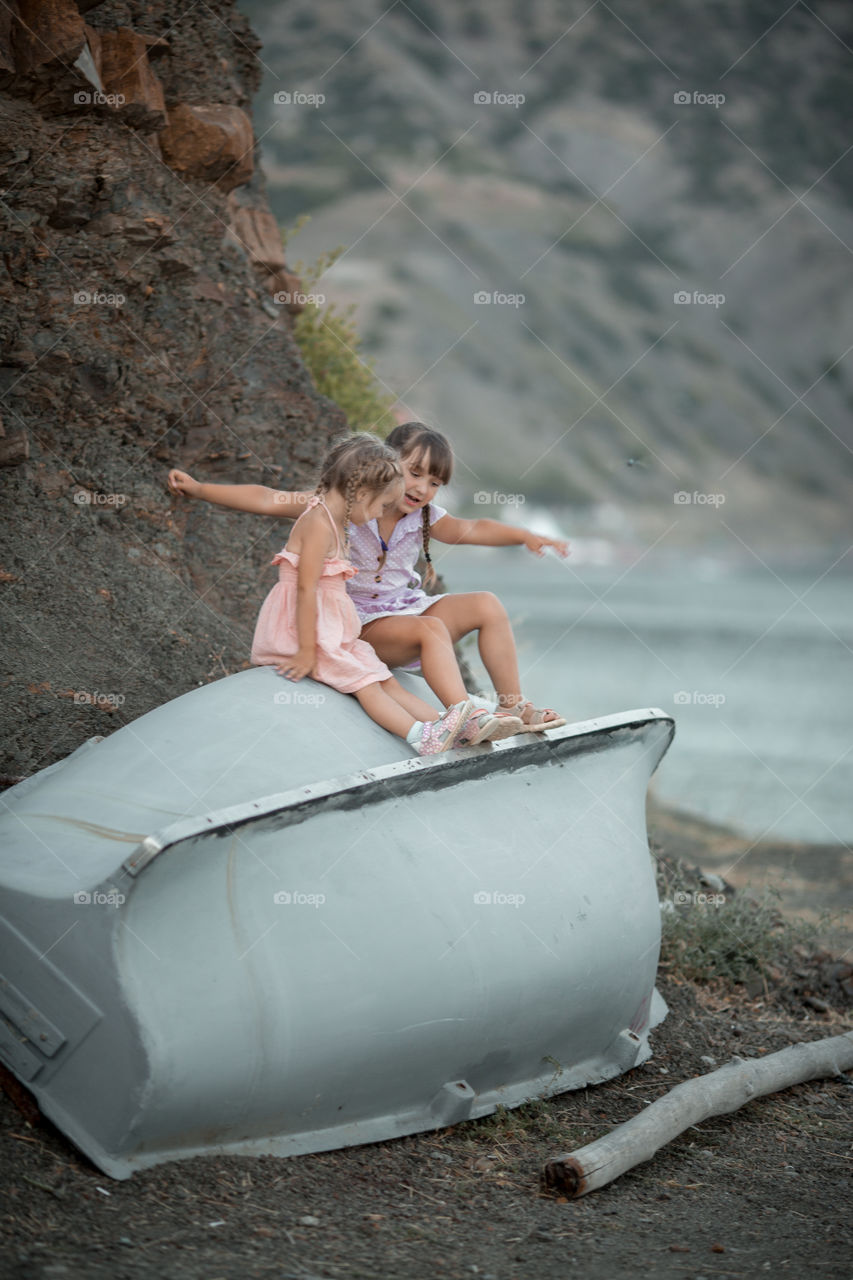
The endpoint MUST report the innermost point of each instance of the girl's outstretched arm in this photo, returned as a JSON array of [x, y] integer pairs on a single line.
[[493, 533], [314, 546], [256, 498]]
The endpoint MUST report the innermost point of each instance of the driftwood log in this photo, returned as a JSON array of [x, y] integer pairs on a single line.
[[714, 1094]]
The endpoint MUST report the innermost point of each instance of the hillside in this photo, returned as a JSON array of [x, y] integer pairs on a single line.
[[599, 198]]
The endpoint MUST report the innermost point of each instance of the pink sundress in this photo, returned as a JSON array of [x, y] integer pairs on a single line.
[[343, 661]]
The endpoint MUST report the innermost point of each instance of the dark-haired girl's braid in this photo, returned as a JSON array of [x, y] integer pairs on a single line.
[[430, 575]]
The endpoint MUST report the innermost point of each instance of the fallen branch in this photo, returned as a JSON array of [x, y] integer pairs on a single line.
[[714, 1094]]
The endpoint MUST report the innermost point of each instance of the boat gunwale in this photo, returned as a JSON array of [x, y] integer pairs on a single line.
[[384, 781]]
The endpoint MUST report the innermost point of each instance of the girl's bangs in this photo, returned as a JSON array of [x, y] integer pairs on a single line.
[[436, 459]]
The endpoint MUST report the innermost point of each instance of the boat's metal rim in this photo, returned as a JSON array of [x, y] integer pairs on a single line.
[[360, 788]]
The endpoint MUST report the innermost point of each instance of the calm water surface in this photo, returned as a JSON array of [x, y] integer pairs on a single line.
[[756, 669]]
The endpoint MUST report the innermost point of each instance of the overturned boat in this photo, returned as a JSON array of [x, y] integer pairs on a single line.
[[243, 924]]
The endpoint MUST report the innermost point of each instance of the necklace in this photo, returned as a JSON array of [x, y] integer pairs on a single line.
[[380, 563]]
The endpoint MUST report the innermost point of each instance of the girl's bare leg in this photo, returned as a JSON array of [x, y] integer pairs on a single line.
[[483, 612], [410, 701], [393, 707], [385, 710], [409, 636]]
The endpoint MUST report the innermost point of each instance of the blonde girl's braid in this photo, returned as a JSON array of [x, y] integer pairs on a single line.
[[430, 575], [354, 482], [358, 461]]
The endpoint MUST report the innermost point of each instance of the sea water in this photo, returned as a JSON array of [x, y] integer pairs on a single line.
[[754, 664]]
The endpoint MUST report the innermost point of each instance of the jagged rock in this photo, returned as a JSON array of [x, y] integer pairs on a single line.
[[286, 289], [127, 78], [7, 60], [213, 141], [152, 229], [204, 287], [157, 45], [73, 206], [257, 231], [21, 358], [46, 31], [14, 449], [176, 261]]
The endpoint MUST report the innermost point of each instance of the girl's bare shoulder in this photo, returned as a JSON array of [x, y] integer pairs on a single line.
[[312, 532]]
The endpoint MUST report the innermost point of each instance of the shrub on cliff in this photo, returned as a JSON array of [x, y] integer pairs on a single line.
[[330, 346]]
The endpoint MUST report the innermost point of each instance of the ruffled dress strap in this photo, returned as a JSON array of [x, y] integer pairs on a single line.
[[318, 501], [335, 565]]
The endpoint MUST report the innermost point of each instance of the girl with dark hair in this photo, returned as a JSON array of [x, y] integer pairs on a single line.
[[399, 619]]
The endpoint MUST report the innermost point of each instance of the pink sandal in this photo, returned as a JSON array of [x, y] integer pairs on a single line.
[[489, 726], [443, 733], [533, 719]]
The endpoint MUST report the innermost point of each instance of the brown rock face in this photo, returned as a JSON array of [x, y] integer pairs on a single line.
[[128, 79], [136, 333], [44, 32], [259, 233], [213, 142]]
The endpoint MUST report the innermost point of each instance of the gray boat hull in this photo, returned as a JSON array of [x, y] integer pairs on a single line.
[[348, 959]]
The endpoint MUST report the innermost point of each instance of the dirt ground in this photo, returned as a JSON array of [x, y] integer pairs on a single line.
[[766, 1190]]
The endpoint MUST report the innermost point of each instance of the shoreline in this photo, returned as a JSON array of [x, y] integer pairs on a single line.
[[813, 882]]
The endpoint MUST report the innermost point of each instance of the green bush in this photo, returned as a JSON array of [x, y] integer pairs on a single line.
[[326, 335]]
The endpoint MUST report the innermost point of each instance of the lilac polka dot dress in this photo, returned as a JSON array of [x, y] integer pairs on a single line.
[[399, 587]]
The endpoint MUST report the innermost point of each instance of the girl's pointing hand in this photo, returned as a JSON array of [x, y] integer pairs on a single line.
[[537, 545]]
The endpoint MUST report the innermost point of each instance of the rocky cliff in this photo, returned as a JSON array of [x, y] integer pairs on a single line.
[[138, 331]]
